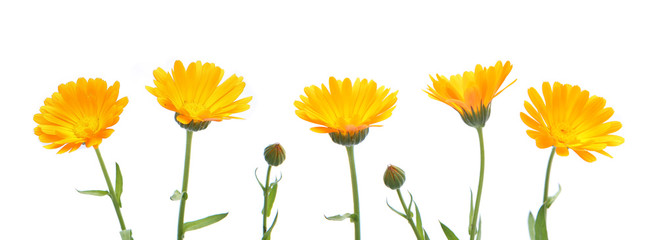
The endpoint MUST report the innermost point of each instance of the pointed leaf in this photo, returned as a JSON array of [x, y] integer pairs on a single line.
[[126, 234], [271, 198], [540, 227], [94, 192], [340, 217], [551, 199], [119, 185], [426, 236], [395, 210], [176, 196], [448, 233], [267, 234], [530, 225], [410, 205], [203, 222], [256, 175], [479, 230], [418, 219], [471, 215]]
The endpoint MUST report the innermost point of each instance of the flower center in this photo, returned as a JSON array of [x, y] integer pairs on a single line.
[[563, 133], [86, 127], [194, 109]]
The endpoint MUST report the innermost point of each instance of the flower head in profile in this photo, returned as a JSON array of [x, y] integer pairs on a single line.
[[346, 110], [471, 94], [570, 119], [79, 113], [196, 95]]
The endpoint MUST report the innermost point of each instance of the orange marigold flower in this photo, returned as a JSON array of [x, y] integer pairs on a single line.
[[79, 113], [196, 95], [346, 109], [570, 119], [471, 94]]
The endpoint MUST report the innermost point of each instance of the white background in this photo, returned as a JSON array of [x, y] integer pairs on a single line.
[[280, 47]]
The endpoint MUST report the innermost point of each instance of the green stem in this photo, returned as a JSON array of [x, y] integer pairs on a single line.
[[408, 215], [354, 190], [475, 216], [547, 175], [183, 200], [112, 194], [264, 209]]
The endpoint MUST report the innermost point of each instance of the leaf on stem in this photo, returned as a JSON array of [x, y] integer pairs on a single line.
[[267, 234], [395, 210], [418, 219], [119, 185], [94, 192], [479, 230], [531, 222], [126, 234], [448, 232], [351, 216], [176, 196], [261, 185], [540, 228], [203, 222], [471, 215], [272, 197], [551, 199]]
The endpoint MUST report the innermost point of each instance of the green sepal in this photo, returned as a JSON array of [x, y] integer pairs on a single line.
[[418, 219], [267, 234], [471, 215], [126, 234], [540, 228], [99, 193], [395, 210], [203, 222], [551, 199], [261, 185], [176, 196], [531, 222], [351, 217], [271, 198], [118, 189], [448, 232]]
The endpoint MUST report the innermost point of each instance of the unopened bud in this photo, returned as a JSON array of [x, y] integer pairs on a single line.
[[274, 154], [394, 177]]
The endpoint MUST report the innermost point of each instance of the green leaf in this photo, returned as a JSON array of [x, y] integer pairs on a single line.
[[418, 219], [203, 222], [479, 230], [126, 234], [530, 224], [395, 210], [426, 236], [119, 185], [94, 192], [551, 199], [471, 215], [267, 234], [410, 205], [176, 196], [256, 175], [448, 233], [540, 227], [272, 197], [340, 217]]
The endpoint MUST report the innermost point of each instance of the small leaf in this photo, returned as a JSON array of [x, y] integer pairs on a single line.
[[271, 198], [176, 196], [203, 222], [540, 227], [395, 210], [471, 215], [479, 230], [448, 233], [267, 234], [426, 236], [94, 192], [530, 224], [340, 217], [126, 234], [410, 205], [256, 175], [551, 199], [418, 219], [119, 185]]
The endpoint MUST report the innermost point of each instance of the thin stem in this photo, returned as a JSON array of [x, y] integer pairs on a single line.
[[408, 215], [112, 194], [183, 200], [475, 216], [264, 209], [354, 190], [547, 175]]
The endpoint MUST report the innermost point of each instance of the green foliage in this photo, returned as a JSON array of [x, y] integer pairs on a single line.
[[94, 192], [448, 232], [203, 222]]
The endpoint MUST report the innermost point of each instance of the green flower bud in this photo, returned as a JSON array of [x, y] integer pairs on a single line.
[[274, 154], [394, 177], [349, 138], [193, 125]]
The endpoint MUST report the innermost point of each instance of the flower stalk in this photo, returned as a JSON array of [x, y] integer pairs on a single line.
[[354, 190], [409, 217], [473, 231], [266, 199], [112, 193], [547, 175], [183, 200]]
